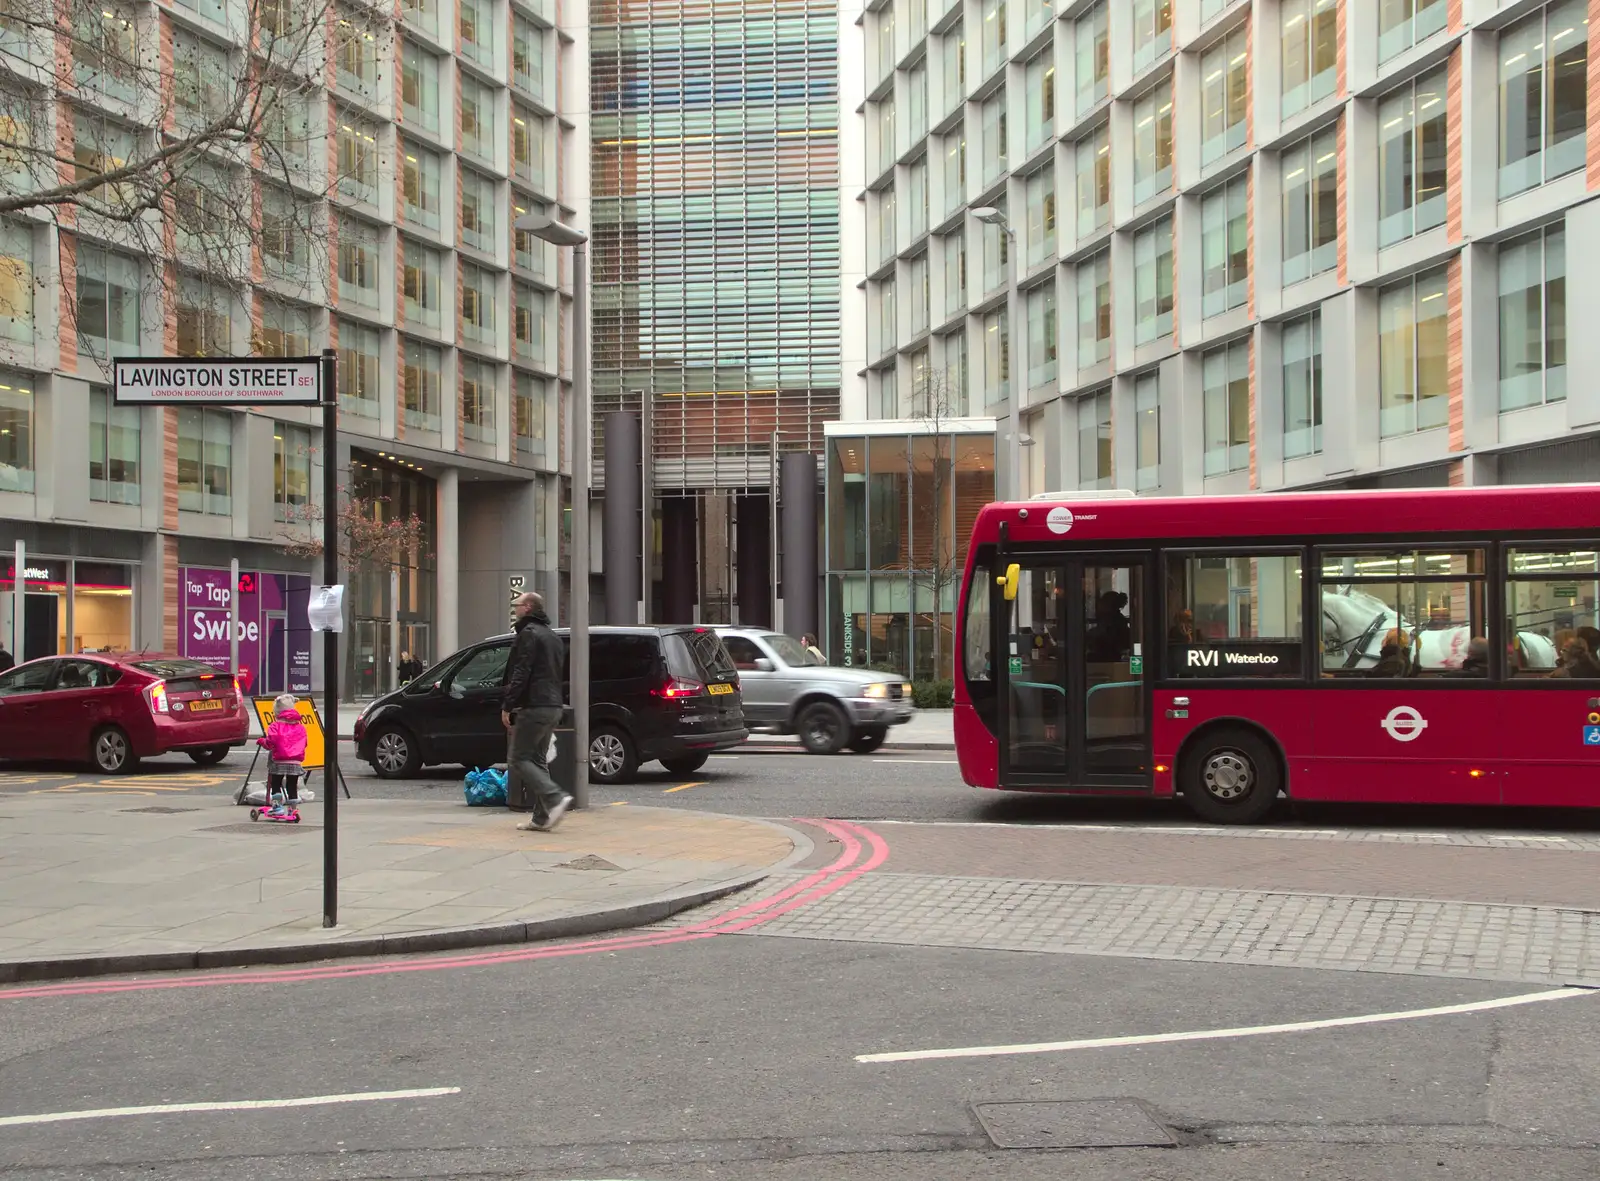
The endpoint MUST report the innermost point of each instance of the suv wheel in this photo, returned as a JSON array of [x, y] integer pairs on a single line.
[[612, 758], [209, 757], [865, 741], [823, 728], [685, 764], [395, 754]]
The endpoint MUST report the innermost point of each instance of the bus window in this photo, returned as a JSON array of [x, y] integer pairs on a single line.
[[1404, 613], [976, 638], [1551, 618], [1233, 615]]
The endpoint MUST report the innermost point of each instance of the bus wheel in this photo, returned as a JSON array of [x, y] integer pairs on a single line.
[[1231, 777]]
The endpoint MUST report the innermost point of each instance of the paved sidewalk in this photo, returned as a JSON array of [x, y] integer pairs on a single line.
[[87, 887]]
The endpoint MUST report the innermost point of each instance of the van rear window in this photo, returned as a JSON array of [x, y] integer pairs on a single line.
[[698, 654]]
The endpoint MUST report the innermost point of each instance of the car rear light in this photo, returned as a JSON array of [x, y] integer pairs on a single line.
[[238, 695], [678, 687], [155, 696]]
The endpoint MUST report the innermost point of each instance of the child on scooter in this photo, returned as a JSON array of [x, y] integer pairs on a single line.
[[285, 741]]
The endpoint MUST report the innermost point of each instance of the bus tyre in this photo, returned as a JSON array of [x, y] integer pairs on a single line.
[[1231, 777]]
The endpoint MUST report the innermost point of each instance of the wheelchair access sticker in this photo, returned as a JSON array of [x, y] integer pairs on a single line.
[[1591, 736]]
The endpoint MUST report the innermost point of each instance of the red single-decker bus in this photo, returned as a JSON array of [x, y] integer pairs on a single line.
[[1433, 646]]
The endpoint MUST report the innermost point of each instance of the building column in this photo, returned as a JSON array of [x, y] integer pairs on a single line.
[[799, 526], [680, 572], [753, 560], [447, 599], [621, 540]]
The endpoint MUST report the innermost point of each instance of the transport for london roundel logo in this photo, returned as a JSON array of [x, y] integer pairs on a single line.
[[1404, 724], [1060, 519]]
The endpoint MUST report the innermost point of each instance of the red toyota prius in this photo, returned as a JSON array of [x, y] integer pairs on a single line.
[[111, 711]]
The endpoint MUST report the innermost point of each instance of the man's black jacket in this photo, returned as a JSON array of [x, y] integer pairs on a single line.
[[533, 672]]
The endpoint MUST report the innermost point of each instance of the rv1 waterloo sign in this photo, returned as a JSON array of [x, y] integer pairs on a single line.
[[229, 381]]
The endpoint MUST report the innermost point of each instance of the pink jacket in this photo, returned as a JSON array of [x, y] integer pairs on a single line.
[[285, 739]]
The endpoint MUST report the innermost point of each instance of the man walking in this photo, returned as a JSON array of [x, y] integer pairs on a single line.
[[530, 707]]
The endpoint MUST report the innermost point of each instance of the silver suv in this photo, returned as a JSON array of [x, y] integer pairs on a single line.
[[787, 690]]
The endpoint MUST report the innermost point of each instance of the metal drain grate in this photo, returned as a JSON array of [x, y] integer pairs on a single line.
[[588, 861], [264, 826], [1081, 1123], [158, 810]]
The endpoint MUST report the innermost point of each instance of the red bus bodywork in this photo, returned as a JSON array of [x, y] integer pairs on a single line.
[[1499, 741]]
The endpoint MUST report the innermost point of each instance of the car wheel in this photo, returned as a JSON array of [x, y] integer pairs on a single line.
[[864, 742], [686, 765], [1230, 777], [395, 754], [823, 728], [210, 757], [111, 752], [612, 758]]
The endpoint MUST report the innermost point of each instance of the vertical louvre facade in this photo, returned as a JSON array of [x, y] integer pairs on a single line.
[[716, 230]]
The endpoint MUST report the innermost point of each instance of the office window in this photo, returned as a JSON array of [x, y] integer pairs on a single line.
[[285, 330], [419, 86], [476, 21], [886, 226], [1152, 282], [528, 410], [356, 48], [291, 471], [202, 81], [996, 356], [16, 282], [1543, 96], [1311, 207], [916, 87], [205, 199], [1094, 310], [477, 119], [16, 432], [527, 252], [420, 180], [1413, 354], [956, 390], [996, 252], [477, 304], [528, 329], [108, 303], [886, 329], [99, 146], [884, 37], [1093, 57], [356, 140], [423, 284], [1404, 23], [1042, 334], [477, 211], [1224, 247], [477, 400], [1225, 382], [1152, 142], [1224, 87], [1533, 319], [1041, 88], [286, 132], [1093, 166], [1094, 440], [917, 181], [953, 58], [205, 461], [527, 56], [204, 316], [917, 282], [1412, 126], [994, 137], [360, 353], [1310, 50], [954, 249], [358, 262], [113, 448], [1302, 386], [1147, 431], [1152, 31], [992, 17], [887, 146], [423, 382], [527, 145], [421, 14], [1041, 198], [955, 170], [105, 48], [285, 234]]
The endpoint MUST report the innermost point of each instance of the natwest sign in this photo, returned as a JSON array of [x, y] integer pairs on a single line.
[[281, 381]]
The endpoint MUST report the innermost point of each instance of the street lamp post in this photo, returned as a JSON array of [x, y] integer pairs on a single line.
[[1018, 380], [548, 229]]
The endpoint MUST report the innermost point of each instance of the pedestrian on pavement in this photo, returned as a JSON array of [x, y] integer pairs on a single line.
[[530, 707], [809, 643], [6, 661]]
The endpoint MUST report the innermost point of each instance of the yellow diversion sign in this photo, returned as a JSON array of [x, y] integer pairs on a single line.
[[315, 754]]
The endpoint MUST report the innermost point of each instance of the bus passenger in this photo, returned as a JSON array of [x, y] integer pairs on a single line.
[[1183, 630], [1394, 658], [1477, 662], [1577, 661]]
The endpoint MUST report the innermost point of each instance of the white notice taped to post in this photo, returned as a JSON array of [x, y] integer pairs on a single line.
[[326, 609]]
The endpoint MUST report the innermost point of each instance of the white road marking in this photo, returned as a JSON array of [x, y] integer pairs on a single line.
[[1202, 1035], [725, 758], [939, 762], [56, 1117]]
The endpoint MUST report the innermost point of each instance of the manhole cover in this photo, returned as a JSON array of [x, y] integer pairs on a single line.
[[264, 826], [1083, 1123], [158, 810], [588, 861]]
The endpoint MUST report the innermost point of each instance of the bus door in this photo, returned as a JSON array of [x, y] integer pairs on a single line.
[[1074, 700]]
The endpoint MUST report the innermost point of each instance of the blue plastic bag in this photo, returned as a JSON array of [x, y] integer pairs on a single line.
[[485, 788]]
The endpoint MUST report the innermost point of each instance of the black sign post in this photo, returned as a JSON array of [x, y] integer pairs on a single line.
[[330, 638]]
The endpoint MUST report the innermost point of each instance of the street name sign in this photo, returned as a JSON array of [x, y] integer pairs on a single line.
[[227, 381]]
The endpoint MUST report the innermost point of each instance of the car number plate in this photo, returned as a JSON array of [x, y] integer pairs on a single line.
[[201, 706], [714, 690]]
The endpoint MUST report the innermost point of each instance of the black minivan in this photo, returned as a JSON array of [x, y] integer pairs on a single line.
[[667, 693]]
